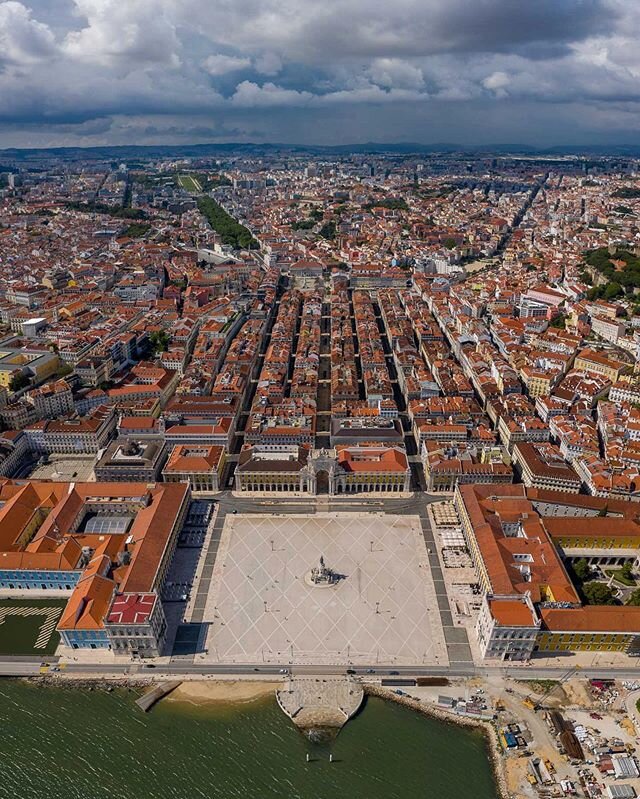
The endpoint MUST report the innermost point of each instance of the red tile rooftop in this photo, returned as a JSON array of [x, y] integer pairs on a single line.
[[372, 459], [511, 613], [138, 423], [131, 609], [592, 619]]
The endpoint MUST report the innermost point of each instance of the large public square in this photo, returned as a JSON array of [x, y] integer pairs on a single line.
[[262, 607]]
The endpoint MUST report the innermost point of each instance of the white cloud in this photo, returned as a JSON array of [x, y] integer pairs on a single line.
[[220, 64], [251, 95], [124, 34], [396, 73], [23, 40], [497, 82]]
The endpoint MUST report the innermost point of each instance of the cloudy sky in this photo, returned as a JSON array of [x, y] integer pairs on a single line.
[[539, 72]]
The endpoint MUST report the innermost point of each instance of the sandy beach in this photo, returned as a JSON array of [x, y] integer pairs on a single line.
[[200, 691]]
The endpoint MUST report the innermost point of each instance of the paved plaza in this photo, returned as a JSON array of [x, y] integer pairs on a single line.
[[63, 470], [262, 607]]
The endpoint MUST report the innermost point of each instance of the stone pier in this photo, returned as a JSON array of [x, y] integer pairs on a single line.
[[320, 701]]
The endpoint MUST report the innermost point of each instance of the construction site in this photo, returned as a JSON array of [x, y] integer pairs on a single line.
[[567, 737]]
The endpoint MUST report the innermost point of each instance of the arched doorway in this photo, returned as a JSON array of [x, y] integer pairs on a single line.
[[322, 482]]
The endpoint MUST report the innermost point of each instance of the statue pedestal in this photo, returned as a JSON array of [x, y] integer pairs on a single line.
[[321, 576], [314, 583]]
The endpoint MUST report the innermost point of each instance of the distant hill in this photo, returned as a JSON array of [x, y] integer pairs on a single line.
[[126, 152]]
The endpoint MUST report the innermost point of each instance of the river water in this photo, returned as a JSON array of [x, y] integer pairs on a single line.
[[66, 743]]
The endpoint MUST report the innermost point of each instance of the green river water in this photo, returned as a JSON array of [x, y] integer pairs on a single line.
[[65, 743]]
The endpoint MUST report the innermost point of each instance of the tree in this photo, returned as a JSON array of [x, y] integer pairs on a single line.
[[159, 341], [581, 570], [328, 230], [136, 230], [449, 243], [595, 293], [585, 277], [229, 229], [598, 594], [634, 598], [627, 193], [303, 224], [626, 570], [19, 381], [612, 290]]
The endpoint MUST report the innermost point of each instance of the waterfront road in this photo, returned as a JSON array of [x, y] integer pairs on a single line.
[[14, 667]]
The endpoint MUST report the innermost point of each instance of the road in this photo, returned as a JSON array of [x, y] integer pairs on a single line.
[[15, 667]]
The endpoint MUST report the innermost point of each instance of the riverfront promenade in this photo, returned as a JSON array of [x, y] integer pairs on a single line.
[[30, 667]]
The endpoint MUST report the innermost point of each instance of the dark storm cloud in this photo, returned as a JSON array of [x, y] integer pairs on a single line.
[[359, 69], [456, 26]]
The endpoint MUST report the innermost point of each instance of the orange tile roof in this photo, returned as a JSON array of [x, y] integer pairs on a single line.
[[88, 604], [194, 458], [55, 547], [370, 459], [592, 526], [593, 619], [511, 613], [489, 507]]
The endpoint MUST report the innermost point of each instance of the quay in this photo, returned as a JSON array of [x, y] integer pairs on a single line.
[[158, 692], [312, 702]]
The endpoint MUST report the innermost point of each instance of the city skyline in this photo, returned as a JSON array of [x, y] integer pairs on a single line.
[[94, 72]]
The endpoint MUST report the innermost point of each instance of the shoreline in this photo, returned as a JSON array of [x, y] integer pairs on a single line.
[[86, 683], [201, 692], [428, 709], [194, 692]]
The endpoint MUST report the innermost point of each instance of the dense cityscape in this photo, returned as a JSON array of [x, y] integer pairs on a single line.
[[231, 380]]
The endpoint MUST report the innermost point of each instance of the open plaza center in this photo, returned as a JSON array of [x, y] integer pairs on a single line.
[[371, 600]]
